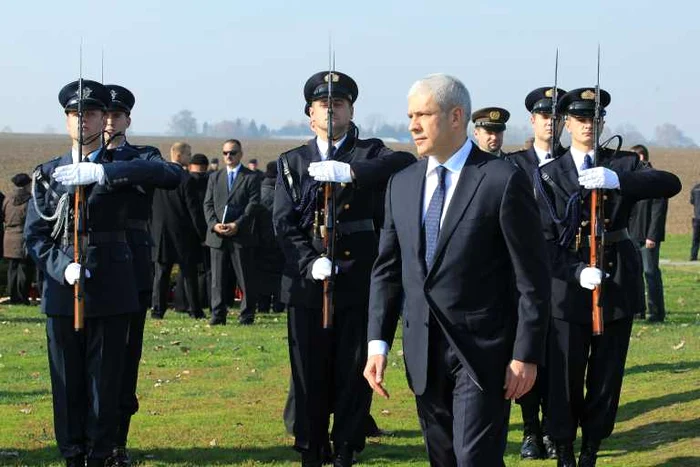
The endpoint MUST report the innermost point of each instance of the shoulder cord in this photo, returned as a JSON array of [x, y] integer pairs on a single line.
[[60, 215], [572, 213]]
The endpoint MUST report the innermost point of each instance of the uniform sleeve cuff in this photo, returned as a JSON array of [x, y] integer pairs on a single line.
[[377, 347]]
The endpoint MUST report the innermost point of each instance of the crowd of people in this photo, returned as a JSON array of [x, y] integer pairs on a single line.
[[484, 255]]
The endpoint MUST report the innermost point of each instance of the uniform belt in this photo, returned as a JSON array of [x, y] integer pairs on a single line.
[[351, 227], [136, 224], [116, 236], [610, 237]]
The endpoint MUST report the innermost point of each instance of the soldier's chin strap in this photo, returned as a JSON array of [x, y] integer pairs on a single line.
[[92, 138], [109, 137]]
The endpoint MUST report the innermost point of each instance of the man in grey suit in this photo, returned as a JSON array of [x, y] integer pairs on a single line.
[[461, 260], [230, 204]]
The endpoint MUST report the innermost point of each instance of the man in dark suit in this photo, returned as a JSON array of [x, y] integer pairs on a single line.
[[576, 357], [230, 207], [140, 242], [462, 261], [178, 231], [648, 230], [86, 366], [695, 242], [327, 364], [536, 440]]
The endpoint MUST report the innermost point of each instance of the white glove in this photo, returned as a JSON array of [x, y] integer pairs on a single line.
[[598, 177], [72, 273], [321, 269], [590, 278], [83, 173], [330, 171]]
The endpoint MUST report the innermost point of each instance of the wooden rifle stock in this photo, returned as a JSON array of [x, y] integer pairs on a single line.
[[329, 244], [78, 243], [596, 260]]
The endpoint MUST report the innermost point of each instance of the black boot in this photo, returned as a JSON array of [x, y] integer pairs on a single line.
[[550, 450], [532, 447], [589, 453], [120, 458], [311, 458], [95, 462], [77, 461], [565, 454], [343, 456]]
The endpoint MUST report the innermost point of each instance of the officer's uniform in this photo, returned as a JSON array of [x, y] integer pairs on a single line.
[[140, 242], [576, 357], [491, 119], [327, 365], [536, 442], [86, 366]]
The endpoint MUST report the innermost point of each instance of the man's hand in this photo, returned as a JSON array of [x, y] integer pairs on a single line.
[[374, 374], [83, 173], [520, 377], [321, 269], [232, 228], [221, 229], [599, 177], [590, 278], [650, 244], [331, 171], [72, 273]]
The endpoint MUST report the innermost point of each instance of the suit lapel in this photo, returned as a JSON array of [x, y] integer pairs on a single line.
[[313, 150], [237, 182], [415, 200], [467, 185]]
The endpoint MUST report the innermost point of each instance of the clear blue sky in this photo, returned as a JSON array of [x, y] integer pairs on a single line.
[[228, 59]]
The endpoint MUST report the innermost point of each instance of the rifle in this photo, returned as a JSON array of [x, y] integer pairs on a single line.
[[597, 240], [79, 220], [329, 209], [555, 98]]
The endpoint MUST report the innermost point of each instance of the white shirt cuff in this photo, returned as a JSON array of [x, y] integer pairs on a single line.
[[377, 347]]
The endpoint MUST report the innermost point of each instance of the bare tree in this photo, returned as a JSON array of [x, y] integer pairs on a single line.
[[183, 123]]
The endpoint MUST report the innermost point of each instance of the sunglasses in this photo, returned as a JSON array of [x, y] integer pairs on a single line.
[[230, 153]]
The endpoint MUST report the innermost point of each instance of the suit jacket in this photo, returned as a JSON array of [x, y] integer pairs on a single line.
[[358, 202], [695, 201], [111, 289], [488, 288], [242, 202], [622, 295], [177, 224]]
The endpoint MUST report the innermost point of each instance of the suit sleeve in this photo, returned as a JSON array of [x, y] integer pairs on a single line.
[[657, 223], [194, 208], [377, 170], [253, 194], [527, 250], [386, 291], [152, 173], [209, 211]]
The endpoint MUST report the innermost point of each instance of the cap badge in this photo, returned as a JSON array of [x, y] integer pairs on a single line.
[[86, 92], [113, 93], [333, 76], [588, 95], [494, 115], [549, 93]]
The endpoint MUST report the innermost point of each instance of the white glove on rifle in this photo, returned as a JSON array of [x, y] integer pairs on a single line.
[[590, 278], [83, 173], [72, 273], [321, 269], [598, 177], [330, 171]]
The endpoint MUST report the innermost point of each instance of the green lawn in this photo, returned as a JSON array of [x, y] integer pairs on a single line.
[[214, 396]]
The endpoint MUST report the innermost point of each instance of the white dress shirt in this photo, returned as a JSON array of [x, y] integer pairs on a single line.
[[542, 156], [578, 157], [235, 171], [91, 157], [323, 146], [454, 167]]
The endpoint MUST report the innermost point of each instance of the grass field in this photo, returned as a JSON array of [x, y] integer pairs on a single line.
[[214, 396]]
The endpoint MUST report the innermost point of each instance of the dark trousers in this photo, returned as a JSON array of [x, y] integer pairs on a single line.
[[243, 262], [270, 302], [19, 279], [655, 286], [462, 425], [86, 369], [532, 401], [128, 402], [577, 359], [161, 287], [327, 370], [182, 301], [696, 240]]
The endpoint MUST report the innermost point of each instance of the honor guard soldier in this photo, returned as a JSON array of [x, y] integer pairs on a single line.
[[576, 357], [536, 441], [140, 242], [489, 125], [85, 364], [327, 363]]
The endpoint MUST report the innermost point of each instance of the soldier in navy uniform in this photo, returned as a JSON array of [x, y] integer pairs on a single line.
[[327, 364], [576, 358], [86, 365], [140, 242], [489, 126], [536, 441]]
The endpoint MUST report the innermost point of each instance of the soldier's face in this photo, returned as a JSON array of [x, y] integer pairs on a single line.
[[93, 123], [581, 130], [488, 140], [232, 154], [434, 132], [541, 126], [342, 115], [117, 122]]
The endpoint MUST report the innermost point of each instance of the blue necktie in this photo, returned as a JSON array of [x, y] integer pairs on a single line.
[[587, 162], [431, 225], [230, 179]]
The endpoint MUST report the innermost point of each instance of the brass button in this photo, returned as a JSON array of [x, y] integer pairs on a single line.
[[347, 206], [343, 184], [347, 253], [605, 197], [607, 221], [610, 264]]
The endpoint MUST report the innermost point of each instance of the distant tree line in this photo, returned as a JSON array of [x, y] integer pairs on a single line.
[[185, 124]]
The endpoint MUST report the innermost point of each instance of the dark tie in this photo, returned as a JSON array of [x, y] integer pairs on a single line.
[[547, 156], [230, 180], [587, 162], [431, 225]]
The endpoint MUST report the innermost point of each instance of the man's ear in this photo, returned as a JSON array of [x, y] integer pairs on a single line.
[[128, 121]]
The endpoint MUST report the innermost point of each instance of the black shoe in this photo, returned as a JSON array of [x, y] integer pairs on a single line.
[[655, 319], [311, 459], [565, 454], [246, 321], [120, 458], [343, 457], [216, 321], [197, 315], [550, 450], [639, 316], [532, 447], [94, 462], [77, 461], [157, 314], [589, 453]]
